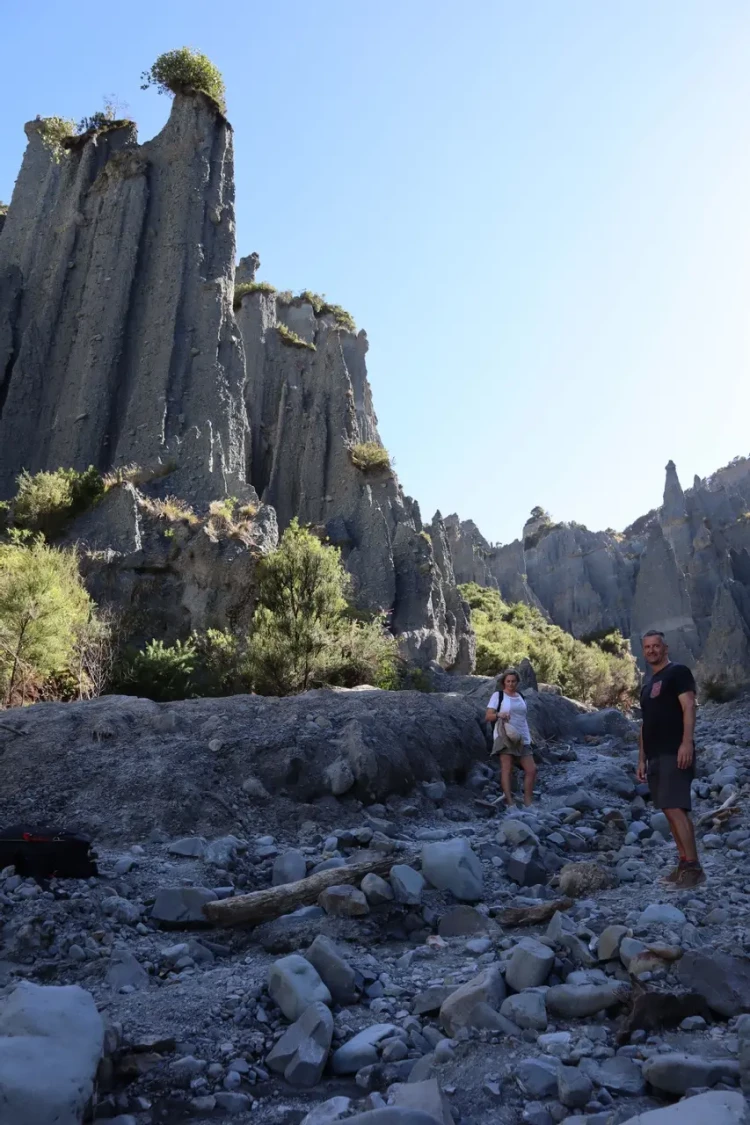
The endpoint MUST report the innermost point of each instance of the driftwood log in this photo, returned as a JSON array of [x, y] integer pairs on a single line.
[[722, 814], [532, 915], [262, 906]]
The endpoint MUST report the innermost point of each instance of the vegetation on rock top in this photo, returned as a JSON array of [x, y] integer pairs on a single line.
[[291, 339], [370, 457], [184, 69], [54, 131], [251, 287], [601, 672]]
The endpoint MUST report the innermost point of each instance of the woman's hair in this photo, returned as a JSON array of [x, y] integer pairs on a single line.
[[504, 675]]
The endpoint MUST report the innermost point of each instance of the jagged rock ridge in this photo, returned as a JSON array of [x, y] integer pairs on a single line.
[[684, 569]]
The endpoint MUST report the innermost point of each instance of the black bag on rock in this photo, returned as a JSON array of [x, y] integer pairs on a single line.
[[46, 853]]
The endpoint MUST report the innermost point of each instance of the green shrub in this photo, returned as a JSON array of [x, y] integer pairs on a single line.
[[47, 501], [183, 70], [291, 339], [160, 672], [43, 604], [360, 652], [370, 457], [601, 672], [54, 131], [321, 307], [3, 208], [250, 287], [717, 689]]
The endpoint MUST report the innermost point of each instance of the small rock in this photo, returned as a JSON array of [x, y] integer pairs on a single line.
[[578, 1001], [526, 1010], [676, 1073], [361, 1049], [538, 1077], [407, 884], [723, 1107], [125, 971], [176, 906], [331, 1110], [574, 1088], [344, 901], [526, 868], [377, 891], [289, 867], [609, 942], [662, 914], [462, 921], [530, 964], [193, 847], [488, 987]]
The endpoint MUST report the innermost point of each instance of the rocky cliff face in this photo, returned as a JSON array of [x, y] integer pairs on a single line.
[[116, 279], [683, 569], [310, 403], [119, 345]]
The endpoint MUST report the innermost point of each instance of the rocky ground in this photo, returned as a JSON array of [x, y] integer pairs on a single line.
[[419, 990]]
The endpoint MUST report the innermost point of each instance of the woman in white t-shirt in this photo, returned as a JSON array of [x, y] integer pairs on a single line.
[[507, 711]]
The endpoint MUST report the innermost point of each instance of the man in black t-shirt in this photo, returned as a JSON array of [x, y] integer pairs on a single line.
[[667, 751]]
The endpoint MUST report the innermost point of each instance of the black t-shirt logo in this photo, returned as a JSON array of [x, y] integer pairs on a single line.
[[655, 689]]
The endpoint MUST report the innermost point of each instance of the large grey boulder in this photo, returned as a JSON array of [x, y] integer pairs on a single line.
[[393, 1115], [526, 1010], [579, 1001], [51, 1040], [451, 865], [333, 969]]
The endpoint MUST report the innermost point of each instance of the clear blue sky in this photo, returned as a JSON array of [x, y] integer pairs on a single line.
[[538, 210]]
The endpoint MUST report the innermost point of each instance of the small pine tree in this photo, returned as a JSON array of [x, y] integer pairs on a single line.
[[43, 605], [302, 599]]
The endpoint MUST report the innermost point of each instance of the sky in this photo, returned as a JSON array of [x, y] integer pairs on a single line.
[[537, 210]]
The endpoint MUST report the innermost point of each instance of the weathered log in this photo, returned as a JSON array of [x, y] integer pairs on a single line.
[[728, 809], [262, 906], [532, 915]]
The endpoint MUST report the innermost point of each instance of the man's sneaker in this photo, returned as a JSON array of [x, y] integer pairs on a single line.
[[692, 875], [674, 874]]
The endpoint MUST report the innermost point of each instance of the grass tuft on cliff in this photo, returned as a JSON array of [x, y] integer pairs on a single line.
[[369, 457], [321, 307], [251, 287], [182, 70], [601, 672], [291, 339]]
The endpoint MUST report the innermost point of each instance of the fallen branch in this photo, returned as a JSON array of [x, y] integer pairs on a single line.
[[262, 906], [532, 915], [728, 809]]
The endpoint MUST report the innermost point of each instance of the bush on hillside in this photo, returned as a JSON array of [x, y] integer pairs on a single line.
[[45, 502], [54, 131], [291, 339], [369, 457], [43, 605], [184, 69], [601, 672]]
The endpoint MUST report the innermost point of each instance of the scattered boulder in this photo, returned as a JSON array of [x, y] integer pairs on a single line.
[[361, 1050], [426, 1097], [525, 867], [526, 1010], [530, 964], [462, 921], [192, 847], [333, 969], [125, 971], [178, 907], [676, 1073], [407, 884], [301, 1052], [538, 1077], [488, 987], [722, 979], [294, 984], [376, 890], [289, 867], [578, 1001], [661, 914], [574, 1088], [451, 865]]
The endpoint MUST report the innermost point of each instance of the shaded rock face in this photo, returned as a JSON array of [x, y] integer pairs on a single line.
[[309, 406], [170, 578], [116, 278], [683, 569]]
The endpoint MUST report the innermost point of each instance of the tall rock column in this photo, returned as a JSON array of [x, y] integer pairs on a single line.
[[117, 278]]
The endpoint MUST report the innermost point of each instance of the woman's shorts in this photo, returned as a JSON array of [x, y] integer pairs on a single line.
[[670, 786], [515, 750]]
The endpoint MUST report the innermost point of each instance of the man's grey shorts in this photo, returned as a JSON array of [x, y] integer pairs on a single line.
[[669, 785]]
